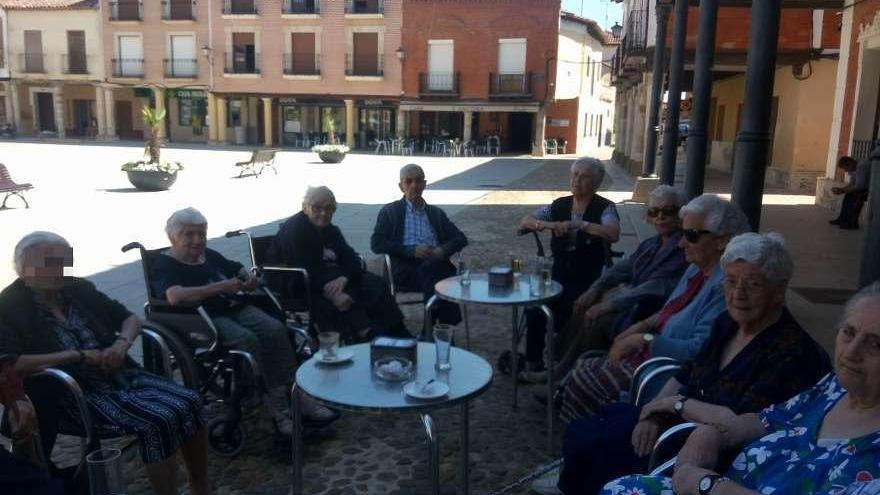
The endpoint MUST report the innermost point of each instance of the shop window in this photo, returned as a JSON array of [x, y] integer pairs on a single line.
[[234, 113], [192, 113]]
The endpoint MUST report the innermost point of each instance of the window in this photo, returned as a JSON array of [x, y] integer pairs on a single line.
[[511, 66], [441, 60], [130, 61], [302, 56], [243, 59], [365, 57], [192, 112], [234, 113], [182, 60], [33, 51], [76, 53]]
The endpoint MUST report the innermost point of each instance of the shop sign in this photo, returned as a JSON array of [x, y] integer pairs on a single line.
[[287, 101], [186, 93], [375, 103], [557, 122]]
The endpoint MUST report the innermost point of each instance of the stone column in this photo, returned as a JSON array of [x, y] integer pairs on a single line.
[[58, 103], [349, 123], [221, 119], [268, 132], [14, 105], [110, 111], [100, 113], [468, 122], [400, 122], [159, 96], [212, 118], [673, 101], [650, 163], [540, 127]]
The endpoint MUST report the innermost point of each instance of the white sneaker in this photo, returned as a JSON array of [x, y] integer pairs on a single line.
[[546, 483]]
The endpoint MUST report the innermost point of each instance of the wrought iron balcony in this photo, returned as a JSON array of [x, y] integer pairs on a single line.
[[354, 69], [186, 68], [126, 10], [128, 67], [439, 84], [364, 6], [32, 63], [293, 66], [301, 7], [74, 64], [861, 149], [241, 7], [178, 10], [238, 63], [510, 85]]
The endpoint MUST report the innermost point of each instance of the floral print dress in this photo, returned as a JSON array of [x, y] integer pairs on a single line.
[[792, 460]]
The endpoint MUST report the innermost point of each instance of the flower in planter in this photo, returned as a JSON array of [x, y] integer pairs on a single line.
[[147, 166], [330, 148]]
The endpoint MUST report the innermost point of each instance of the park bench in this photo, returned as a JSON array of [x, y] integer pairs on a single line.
[[11, 188], [260, 160]]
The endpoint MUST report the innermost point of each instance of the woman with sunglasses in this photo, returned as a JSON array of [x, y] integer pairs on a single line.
[[630, 290]]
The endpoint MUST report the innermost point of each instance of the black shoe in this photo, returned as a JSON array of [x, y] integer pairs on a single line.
[[836, 221]]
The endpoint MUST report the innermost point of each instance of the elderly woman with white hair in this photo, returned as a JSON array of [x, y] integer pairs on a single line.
[[582, 224], [191, 274], [756, 355], [629, 291], [345, 298], [51, 320]]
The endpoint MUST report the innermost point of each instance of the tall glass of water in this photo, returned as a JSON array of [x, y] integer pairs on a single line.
[[464, 272], [443, 335], [536, 281], [105, 472]]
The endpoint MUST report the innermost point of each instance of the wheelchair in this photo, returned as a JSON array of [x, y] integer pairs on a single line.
[[200, 361]]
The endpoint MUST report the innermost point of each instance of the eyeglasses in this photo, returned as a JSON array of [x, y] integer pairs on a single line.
[[693, 235], [667, 211], [322, 208]]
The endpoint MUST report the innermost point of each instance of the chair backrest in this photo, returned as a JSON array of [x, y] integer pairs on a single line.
[[259, 246], [4, 174]]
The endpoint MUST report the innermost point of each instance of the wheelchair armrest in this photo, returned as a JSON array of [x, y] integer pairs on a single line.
[[678, 433], [661, 373], [159, 342], [664, 469], [292, 269], [71, 386], [389, 277], [644, 368]]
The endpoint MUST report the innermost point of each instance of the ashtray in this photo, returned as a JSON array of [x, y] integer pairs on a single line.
[[393, 369]]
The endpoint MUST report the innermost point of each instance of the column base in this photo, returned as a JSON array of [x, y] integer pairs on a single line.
[[643, 188]]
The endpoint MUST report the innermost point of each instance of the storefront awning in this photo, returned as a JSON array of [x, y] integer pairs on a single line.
[[461, 106]]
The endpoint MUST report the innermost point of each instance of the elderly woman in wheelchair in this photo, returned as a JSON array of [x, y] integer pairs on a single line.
[[53, 321], [825, 440], [189, 274], [756, 355]]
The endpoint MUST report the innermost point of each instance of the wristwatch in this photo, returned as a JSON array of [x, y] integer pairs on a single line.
[[648, 338], [708, 482], [678, 407]]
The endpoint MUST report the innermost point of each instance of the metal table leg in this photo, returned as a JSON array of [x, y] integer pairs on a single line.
[[426, 323], [296, 447], [465, 449], [433, 453], [467, 328], [514, 355], [551, 337]]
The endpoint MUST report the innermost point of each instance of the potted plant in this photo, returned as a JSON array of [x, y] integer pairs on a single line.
[[152, 173], [331, 152]]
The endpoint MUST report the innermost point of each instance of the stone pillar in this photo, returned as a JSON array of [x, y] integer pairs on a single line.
[[110, 112], [221, 119], [159, 96], [400, 123], [676, 84], [268, 132], [468, 122], [58, 103], [212, 118], [14, 105], [650, 163], [349, 123], [540, 127], [100, 113]]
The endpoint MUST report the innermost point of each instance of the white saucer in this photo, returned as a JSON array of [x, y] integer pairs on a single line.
[[342, 356], [435, 390]]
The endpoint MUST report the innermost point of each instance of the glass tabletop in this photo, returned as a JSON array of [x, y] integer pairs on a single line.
[[352, 385], [479, 292]]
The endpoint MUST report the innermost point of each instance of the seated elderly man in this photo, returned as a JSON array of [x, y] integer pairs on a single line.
[[190, 274], [582, 224], [420, 239], [344, 296], [755, 356], [824, 441]]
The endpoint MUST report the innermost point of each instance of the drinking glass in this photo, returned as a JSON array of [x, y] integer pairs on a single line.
[[329, 343], [105, 472], [536, 278], [443, 334], [464, 273], [547, 272]]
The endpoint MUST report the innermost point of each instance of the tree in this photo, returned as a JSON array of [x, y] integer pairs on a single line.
[[154, 119]]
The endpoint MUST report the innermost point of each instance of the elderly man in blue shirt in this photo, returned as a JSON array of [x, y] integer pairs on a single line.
[[420, 239]]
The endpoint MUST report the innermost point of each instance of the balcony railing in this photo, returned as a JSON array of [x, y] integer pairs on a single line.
[[32, 63], [126, 10], [241, 7], [439, 83], [74, 64], [300, 69], [354, 69], [178, 10], [128, 67], [241, 65], [364, 6], [862, 148], [181, 67], [301, 7], [510, 85]]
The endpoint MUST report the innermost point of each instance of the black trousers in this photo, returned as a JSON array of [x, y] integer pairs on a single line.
[[19, 477], [373, 308], [851, 208], [415, 275]]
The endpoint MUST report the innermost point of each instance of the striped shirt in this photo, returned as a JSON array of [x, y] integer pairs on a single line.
[[417, 229]]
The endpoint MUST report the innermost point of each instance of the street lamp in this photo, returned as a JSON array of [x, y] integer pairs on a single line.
[[401, 54], [616, 30]]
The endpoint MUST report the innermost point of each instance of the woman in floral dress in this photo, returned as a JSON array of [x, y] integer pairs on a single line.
[[823, 441]]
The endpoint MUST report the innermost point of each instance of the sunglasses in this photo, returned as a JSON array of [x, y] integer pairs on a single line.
[[322, 208], [668, 211], [693, 235]]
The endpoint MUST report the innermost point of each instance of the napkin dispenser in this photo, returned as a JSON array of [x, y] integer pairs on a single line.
[[500, 277], [384, 347]]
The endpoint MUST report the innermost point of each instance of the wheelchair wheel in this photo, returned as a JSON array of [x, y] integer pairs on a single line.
[[183, 367], [225, 437]]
